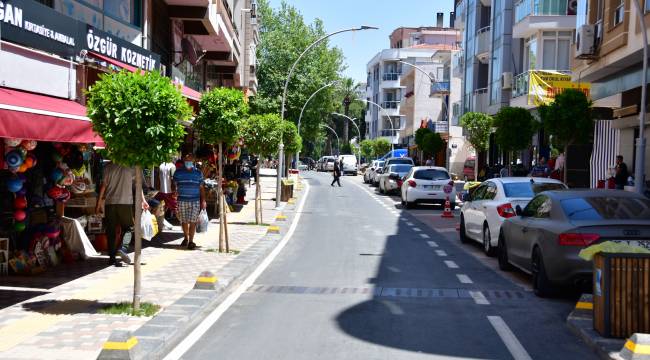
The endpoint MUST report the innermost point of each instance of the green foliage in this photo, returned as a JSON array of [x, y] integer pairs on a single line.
[[515, 128], [346, 149], [478, 127], [222, 111], [367, 148], [290, 137], [568, 119], [419, 136], [381, 146], [137, 115], [432, 143], [261, 133], [125, 308]]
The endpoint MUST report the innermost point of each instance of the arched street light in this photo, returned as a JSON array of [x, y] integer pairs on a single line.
[[358, 133], [639, 165], [338, 142], [284, 99], [392, 124]]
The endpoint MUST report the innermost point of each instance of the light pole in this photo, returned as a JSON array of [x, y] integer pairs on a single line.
[[358, 133], [639, 165], [284, 99], [338, 142], [303, 110], [392, 124]]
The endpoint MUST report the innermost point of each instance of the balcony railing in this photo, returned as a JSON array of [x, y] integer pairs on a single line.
[[521, 83], [525, 8], [479, 100], [440, 88], [389, 132], [391, 76], [483, 38], [392, 104]]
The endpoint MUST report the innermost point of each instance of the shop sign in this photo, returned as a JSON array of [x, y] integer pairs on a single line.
[[105, 44], [545, 85]]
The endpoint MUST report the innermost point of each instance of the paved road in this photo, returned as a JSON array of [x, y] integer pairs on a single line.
[[362, 279]]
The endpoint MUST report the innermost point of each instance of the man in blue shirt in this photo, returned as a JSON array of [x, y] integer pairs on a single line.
[[188, 181]]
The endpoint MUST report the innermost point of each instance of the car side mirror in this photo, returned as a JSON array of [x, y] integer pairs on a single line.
[[519, 211]]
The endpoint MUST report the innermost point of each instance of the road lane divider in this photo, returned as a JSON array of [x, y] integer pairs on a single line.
[[451, 264], [424, 236], [515, 348], [433, 244], [441, 253], [479, 298], [464, 279]]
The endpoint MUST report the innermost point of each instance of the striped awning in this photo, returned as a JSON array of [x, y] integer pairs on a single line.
[[606, 147]]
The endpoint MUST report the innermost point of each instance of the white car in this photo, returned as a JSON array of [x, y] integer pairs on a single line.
[[367, 175], [495, 200], [428, 184], [391, 180], [378, 165], [349, 164]]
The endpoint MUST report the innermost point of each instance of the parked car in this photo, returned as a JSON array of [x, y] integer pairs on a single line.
[[391, 179], [398, 160], [348, 164], [427, 184], [493, 201], [544, 239], [369, 175], [319, 163], [329, 163], [468, 168]]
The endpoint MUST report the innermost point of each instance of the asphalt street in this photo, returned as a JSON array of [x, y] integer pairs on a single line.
[[363, 279]]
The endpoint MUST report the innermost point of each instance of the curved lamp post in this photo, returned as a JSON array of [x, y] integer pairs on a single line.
[[338, 142], [639, 165], [303, 110], [358, 133], [392, 124], [284, 99]]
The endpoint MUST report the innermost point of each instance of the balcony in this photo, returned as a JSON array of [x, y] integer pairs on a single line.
[[480, 100], [482, 44], [391, 107], [390, 134], [391, 81], [455, 113], [534, 15], [458, 63], [521, 89], [439, 88]]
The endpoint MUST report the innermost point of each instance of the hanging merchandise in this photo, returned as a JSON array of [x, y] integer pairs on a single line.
[[13, 142], [233, 152]]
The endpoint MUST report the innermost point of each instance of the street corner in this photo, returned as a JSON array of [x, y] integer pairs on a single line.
[[581, 323]]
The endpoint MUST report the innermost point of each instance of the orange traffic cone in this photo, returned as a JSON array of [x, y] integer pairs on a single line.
[[447, 213]]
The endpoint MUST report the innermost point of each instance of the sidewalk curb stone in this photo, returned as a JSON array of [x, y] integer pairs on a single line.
[[166, 330]]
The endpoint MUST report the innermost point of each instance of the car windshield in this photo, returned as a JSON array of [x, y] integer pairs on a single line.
[[431, 174], [401, 168], [528, 190], [606, 208], [330, 160], [401, 161], [380, 164]]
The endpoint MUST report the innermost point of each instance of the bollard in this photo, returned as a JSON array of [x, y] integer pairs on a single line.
[[637, 347], [273, 230], [281, 218], [206, 281], [119, 346]]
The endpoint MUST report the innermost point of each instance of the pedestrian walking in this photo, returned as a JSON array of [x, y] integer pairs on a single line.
[[336, 173], [620, 179], [116, 196], [188, 182], [429, 162]]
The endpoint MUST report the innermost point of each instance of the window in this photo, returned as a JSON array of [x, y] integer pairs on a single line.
[[555, 50], [646, 6], [530, 54], [539, 207], [479, 192], [619, 12], [528, 189], [490, 191], [431, 174], [606, 208]]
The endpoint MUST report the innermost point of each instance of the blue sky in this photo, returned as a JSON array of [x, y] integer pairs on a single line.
[[360, 47]]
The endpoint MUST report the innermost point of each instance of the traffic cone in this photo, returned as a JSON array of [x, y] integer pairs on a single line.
[[447, 213]]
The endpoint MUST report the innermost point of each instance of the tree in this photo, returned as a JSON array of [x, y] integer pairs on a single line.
[[261, 134], [137, 115], [478, 127], [381, 146], [568, 120], [432, 143], [420, 134], [348, 93], [218, 122], [291, 140], [515, 128], [367, 149]]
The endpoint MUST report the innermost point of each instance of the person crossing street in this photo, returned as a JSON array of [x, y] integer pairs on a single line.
[[336, 173]]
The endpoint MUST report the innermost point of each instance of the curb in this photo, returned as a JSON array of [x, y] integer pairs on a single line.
[[580, 322], [161, 334]]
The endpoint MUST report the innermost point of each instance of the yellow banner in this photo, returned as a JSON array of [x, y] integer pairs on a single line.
[[545, 85]]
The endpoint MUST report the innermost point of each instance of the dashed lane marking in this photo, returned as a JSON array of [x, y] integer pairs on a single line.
[[417, 229], [450, 264], [409, 223], [424, 236], [479, 298], [441, 253], [464, 279], [517, 350], [433, 244]]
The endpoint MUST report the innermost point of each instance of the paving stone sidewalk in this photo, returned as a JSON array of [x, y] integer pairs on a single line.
[[64, 322]]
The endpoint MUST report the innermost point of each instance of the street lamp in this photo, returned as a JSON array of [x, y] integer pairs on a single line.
[[338, 142], [303, 110], [392, 124], [284, 99], [358, 133], [640, 142]]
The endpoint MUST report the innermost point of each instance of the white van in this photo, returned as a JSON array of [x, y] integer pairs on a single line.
[[348, 164]]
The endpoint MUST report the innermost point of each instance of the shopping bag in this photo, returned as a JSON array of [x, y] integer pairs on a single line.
[[202, 226], [146, 225]]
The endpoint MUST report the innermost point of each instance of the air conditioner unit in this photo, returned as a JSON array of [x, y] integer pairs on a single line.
[[506, 81], [585, 41]]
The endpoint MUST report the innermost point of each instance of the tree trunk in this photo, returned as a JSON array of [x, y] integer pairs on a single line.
[[225, 225], [476, 167], [222, 213], [137, 234], [258, 196], [564, 168], [346, 126], [510, 163]]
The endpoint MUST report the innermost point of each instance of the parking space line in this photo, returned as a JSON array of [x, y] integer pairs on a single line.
[[464, 279], [451, 264], [432, 243], [509, 339], [479, 298], [441, 253], [424, 236]]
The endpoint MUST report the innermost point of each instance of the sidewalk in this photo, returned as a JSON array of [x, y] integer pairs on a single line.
[[64, 323]]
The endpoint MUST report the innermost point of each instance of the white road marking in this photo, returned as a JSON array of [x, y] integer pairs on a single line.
[[26, 289], [214, 316], [509, 339], [393, 308], [441, 253], [479, 298], [450, 264], [464, 279], [409, 223], [417, 229], [432, 243], [424, 236], [446, 229]]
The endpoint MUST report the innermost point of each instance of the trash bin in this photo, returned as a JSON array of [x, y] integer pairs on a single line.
[[621, 286], [286, 190]]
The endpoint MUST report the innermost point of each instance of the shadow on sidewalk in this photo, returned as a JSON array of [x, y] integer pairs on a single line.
[[65, 307]]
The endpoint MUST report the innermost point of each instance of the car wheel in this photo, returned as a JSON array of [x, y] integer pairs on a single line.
[[381, 189], [487, 244], [541, 285], [462, 232], [504, 265]]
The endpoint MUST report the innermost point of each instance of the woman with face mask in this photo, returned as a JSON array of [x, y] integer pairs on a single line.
[[188, 181]]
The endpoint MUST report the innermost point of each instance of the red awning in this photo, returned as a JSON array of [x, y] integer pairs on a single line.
[[30, 116], [114, 62], [190, 93]]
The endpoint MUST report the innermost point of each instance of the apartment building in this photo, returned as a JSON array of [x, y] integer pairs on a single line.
[[609, 54]]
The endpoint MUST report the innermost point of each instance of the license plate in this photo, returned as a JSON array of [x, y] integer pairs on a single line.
[[640, 243], [431, 187]]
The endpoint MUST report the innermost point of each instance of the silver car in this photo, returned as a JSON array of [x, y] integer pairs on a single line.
[[391, 180], [545, 237]]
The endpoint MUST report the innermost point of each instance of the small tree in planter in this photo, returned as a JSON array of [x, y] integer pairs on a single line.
[[261, 134], [381, 146], [138, 116], [218, 122], [367, 149], [515, 128], [292, 141], [478, 127], [568, 119], [431, 144]]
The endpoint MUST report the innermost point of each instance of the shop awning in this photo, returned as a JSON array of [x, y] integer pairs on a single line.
[[114, 62], [190, 93], [25, 115]]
